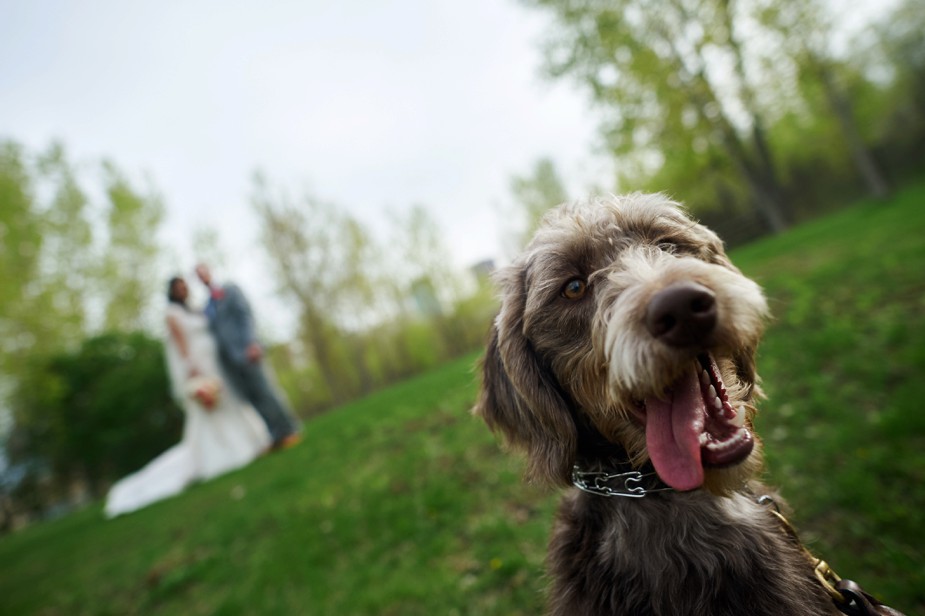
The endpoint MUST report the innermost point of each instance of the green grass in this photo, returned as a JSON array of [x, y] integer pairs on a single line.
[[397, 504], [404, 504], [844, 370]]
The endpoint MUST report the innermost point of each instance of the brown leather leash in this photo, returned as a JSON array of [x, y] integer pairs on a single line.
[[847, 595]]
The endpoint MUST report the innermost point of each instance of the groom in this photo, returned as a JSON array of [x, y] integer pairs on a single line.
[[232, 325]]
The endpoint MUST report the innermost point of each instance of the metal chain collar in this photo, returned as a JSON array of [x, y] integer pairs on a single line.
[[626, 484]]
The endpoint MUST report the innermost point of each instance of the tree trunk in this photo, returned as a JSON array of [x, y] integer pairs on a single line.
[[315, 333], [864, 161], [761, 180], [760, 177]]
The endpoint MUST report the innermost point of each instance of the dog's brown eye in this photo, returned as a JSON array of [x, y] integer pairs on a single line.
[[574, 289]]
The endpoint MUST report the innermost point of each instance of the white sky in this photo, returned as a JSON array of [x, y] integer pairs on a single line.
[[372, 104]]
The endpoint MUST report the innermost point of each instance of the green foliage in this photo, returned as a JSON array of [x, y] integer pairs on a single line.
[[842, 368], [397, 504], [68, 238], [749, 112], [129, 266], [71, 267], [402, 503], [423, 257], [649, 65], [20, 242], [57, 269], [97, 413], [535, 195], [899, 51], [368, 314]]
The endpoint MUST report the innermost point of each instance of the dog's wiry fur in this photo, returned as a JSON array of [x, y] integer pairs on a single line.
[[560, 368]]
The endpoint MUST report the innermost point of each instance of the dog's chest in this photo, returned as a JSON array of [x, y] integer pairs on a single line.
[[665, 534], [654, 555]]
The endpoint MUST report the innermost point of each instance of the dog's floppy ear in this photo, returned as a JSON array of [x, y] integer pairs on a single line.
[[520, 398]]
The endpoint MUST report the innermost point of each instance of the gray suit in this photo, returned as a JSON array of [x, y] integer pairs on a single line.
[[232, 324]]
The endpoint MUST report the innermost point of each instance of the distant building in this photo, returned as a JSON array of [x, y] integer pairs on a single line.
[[483, 270], [425, 297]]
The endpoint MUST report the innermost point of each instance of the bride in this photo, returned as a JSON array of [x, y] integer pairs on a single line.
[[221, 431]]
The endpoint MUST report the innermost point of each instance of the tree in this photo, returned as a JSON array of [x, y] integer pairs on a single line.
[[904, 47], [319, 255], [98, 412], [804, 30], [733, 102], [897, 51], [20, 248], [46, 255], [366, 315], [55, 290], [130, 257], [68, 240], [654, 66], [535, 194], [429, 278], [56, 274]]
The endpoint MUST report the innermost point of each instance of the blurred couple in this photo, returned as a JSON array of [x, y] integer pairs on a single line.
[[233, 413]]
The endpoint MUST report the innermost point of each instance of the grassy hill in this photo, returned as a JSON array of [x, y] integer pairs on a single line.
[[403, 504]]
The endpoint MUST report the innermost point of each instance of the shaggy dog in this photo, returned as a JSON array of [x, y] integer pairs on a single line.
[[622, 362]]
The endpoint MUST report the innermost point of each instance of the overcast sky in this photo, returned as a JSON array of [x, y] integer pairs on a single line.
[[372, 104]]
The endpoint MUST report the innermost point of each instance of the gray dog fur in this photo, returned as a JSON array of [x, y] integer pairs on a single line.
[[566, 378]]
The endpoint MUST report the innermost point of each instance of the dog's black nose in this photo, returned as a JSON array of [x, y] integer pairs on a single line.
[[682, 314]]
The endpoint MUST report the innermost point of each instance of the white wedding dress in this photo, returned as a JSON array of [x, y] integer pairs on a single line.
[[214, 441]]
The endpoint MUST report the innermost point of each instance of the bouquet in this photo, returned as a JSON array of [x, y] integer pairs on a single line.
[[204, 390]]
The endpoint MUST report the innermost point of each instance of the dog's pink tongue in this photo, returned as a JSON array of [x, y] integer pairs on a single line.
[[673, 429]]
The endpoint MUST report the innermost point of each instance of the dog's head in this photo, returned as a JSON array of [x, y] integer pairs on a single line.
[[625, 315]]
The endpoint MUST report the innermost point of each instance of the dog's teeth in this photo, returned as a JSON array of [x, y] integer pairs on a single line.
[[715, 446], [704, 378], [712, 392], [717, 403], [739, 420]]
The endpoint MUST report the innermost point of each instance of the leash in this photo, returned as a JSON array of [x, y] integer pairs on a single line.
[[847, 595]]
